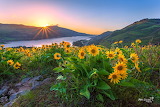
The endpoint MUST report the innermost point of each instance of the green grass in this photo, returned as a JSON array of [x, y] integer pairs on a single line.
[[85, 81], [145, 31], [40, 97]]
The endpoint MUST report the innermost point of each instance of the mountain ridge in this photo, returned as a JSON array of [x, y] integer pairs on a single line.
[[148, 30], [18, 32]]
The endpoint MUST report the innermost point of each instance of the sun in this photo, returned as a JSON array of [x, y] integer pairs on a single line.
[[45, 25], [42, 23]]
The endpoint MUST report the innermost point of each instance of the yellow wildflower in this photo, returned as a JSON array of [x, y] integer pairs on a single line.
[[124, 75], [115, 77], [133, 44], [134, 57], [138, 41], [120, 67], [2, 46], [17, 65], [122, 58], [118, 51], [115, 42], [57, 56], [93, 50], [110, 54], [120, 41], [10, 62], [81, 54], [136, 65]]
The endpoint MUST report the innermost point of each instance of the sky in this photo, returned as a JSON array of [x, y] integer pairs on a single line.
[[87, 16]]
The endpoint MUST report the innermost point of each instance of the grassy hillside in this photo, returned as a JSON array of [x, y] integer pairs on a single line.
[[96, 39], [89, 76], [147, 30]]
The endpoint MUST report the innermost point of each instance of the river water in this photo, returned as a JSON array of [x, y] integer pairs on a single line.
[[39, 43]]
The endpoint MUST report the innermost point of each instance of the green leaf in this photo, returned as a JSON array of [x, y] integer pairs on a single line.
[[127, 84], [6, 73], [60, 77], [129, 71], [94, 83], [58, 69], [103, 72], [107, 65], [100, 97], [59, 87], [54, 87], [109, 94], [85, 92], [147, 69], [139, 83], [93, 72], [103, 85], [65, 70]]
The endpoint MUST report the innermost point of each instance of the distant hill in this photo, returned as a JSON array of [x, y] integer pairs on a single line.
[[148, 30], [98, 38], [94, 40], [15, 32]]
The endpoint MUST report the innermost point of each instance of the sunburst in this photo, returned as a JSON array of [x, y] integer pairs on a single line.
[[44, 30]]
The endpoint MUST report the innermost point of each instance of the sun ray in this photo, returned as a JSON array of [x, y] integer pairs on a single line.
[[46, 33], [52, 31], [38, 33], [43, 33], [48, 30]]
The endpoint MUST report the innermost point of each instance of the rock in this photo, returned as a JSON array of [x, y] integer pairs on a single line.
[[25, 80], [20, 88], [27, 84], [35, 84], [13, 96], [18, 84], [4, 90], [23, 92], [36, 81], [23, 88], [9, 104], [37, 78], [3, 100], [12, 91], [47, 80]]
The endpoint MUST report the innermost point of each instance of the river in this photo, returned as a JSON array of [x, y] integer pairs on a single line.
[[39, 43]]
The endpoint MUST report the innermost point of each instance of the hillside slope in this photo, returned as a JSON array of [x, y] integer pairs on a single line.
[[95, 40], [15, 32], [148, 30]]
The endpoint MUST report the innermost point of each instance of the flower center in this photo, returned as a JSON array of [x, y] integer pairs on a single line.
[[133, 58], [120, 67], [114, 76], [82, 54], [121, 59], [16, 65], [68, 45], [93, 51], [110, 55], [58, 55]]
